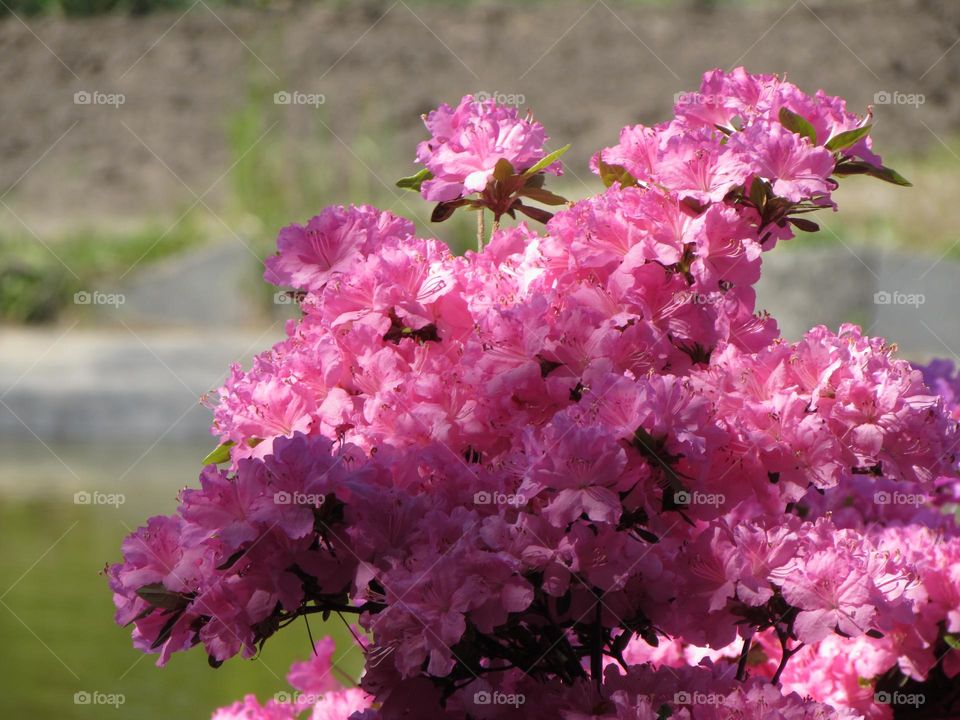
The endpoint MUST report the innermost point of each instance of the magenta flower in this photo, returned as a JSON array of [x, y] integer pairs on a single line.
[[833, 595], [330, 244], [467, 141], [250, 709], [797, 169], [698, 167]]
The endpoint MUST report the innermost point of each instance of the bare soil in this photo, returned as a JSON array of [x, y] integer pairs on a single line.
[[587, 68]]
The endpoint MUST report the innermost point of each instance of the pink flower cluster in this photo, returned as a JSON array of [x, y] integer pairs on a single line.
[[316, 691], [753, 135], [467, 142], [913, 660], [576, 474]]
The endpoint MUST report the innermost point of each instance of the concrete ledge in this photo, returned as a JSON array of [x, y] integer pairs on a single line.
[[75, 384], [912, 300]]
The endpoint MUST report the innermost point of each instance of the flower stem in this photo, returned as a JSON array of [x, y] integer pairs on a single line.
[[744, 653], [786, 654], [596, 652]]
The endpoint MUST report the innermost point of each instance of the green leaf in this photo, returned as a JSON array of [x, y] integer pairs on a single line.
[[229, 562], [547, 161], [534, 181], [952, 640], [219, 454], [413, 182], [444, 210], [853, 167], [798, 124], [541, 216], [649, 636], [891, 176], [646, 535], [857, 167], [694, 205], [847, 138], [140, 616], [611, 174], [502, 170], [804, 224], [760, 190], [543, 196], [166, 631], [158, 596]]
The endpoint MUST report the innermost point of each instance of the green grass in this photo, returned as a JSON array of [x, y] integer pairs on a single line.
[[278, 181], [38, 278]]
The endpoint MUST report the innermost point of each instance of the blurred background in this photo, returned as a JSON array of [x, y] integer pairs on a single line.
[[151, 149]]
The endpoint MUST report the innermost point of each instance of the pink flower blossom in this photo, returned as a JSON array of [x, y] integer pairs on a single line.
[[796, 169], [467, 141], [308, 256]]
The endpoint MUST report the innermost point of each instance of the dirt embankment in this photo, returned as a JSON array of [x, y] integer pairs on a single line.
[[587, 68]]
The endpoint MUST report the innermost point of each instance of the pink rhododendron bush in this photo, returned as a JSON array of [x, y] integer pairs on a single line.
[[575, 474]]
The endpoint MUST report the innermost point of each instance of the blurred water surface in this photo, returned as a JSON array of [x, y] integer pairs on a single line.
[[56, 625]]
